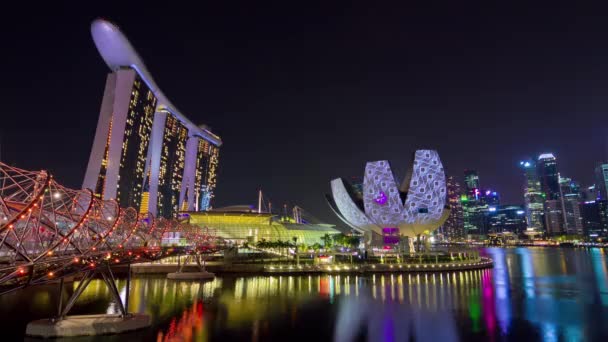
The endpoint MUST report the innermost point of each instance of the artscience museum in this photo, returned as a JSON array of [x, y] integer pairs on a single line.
[[386, 213]]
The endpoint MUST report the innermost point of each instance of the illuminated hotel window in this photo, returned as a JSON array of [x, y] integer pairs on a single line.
[[205, 175], [138, 129], [101, 179], [172, 161]]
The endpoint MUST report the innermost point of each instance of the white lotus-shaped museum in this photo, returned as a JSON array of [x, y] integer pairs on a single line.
[[417, 207]]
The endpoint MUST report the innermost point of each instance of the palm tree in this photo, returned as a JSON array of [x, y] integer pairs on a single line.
[[339, 239], [295, 249], [326, 241], [261, 244], [315, 247]]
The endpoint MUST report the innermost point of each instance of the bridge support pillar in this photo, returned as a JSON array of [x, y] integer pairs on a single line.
[[202, 274], [89, 325]]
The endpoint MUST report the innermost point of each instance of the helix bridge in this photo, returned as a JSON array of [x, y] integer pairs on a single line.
[[49, 232]]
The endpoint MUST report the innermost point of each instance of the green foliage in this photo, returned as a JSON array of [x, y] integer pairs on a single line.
[[346, 240], [327, 241]]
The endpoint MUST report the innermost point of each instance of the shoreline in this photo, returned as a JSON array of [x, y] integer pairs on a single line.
[[270, 269]]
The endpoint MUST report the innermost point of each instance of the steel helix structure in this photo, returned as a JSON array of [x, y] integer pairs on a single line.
[[48, 231]]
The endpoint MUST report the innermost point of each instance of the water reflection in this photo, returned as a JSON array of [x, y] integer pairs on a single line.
[[390, 319], [557, 291], [190, 326], [531, 294]]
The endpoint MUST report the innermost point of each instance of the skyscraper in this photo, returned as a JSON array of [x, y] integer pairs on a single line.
[[471, 181], [549, 185], [601, 180], [507, 218], [592, 221], [571, 198], [453, 228], [594, 213], [533, 196], [146, 154], [476, 205], [548, 176]]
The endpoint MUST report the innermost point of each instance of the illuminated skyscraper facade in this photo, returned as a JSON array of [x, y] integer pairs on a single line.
[[146, 154], [507, 218], [477, 204], [471, 182], [172, 162], [555, 220], [548, 176], [122, 139], [207, 160], [453, 228], [533, 196], [571, 198], [601, 180]]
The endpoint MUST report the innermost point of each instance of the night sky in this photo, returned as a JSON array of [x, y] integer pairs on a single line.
[[301, 95]]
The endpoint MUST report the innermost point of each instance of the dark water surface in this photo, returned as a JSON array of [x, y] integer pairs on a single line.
[[532, 294]]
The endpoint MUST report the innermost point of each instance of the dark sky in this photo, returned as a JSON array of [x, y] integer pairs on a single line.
[[301, 95]]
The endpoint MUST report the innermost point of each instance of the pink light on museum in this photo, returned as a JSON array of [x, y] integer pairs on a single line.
[[381, 198]]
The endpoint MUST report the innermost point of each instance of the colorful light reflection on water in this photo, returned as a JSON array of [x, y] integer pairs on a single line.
[[531, 294]]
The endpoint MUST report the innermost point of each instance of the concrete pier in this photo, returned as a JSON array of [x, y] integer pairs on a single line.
[[87, 325], [190, 275]]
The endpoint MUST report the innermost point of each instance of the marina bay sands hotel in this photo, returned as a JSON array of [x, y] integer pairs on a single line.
[[146, 153]]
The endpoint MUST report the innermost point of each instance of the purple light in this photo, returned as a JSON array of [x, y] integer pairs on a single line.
[[381, 198], [390, 236]]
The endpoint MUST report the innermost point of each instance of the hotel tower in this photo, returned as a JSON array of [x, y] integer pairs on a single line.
[[146, 153]]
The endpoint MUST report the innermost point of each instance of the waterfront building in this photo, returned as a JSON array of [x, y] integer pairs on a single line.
[[473, 216], [146, 154], [533, 196], [477, 203], [595, 218], [554, 217], [549, 184], [592, 222], [548, 176], [453, 228], [571, 199], [507, 218], [601, 180], [239, 224], [417, 207]]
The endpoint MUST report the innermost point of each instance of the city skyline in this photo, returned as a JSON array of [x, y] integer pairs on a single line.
[[255, 110], [346, 171]]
